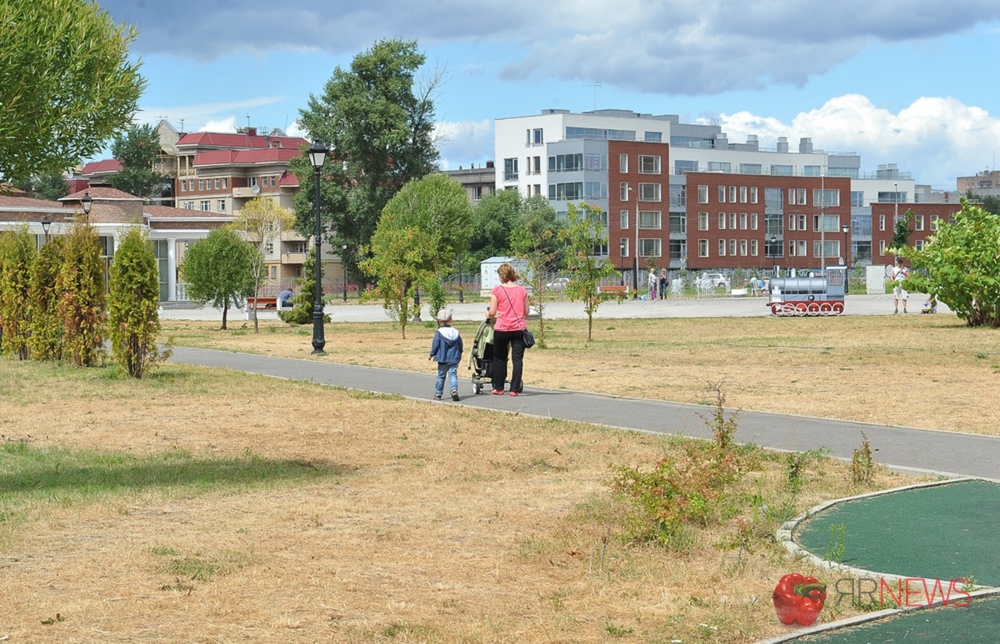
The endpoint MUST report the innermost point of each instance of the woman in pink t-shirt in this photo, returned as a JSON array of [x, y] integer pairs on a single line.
[[509, 307]]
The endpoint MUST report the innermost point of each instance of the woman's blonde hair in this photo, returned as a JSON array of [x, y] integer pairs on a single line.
[[507, 273]]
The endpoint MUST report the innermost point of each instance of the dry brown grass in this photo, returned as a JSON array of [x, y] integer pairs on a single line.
[[917, 370], [444, 524]]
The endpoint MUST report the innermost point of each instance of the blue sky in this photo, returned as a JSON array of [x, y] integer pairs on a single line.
[[897, 82]]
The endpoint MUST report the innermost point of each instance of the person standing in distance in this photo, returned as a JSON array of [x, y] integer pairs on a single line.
[[898, 274], [446, 349], [509, 308]]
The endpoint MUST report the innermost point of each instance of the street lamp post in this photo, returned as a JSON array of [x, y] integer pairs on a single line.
[[343, 263], [317, 155], [774, 256], [621, 256], [845, 228], [461, 293], [46, 222], [86, 203]]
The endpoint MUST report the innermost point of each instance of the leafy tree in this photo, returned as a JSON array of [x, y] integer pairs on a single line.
[[497, 216], [18, 257], [422, 230], [901, 229], [46, 326], [583, 234], [52, 186], [378, 122], [960, 265], [133, 313], [261, 221], [304, 301], [137, 149], [80, 288], [537, 239], [218, 270], [67, 81]]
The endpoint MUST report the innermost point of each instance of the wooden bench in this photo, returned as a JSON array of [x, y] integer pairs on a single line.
[[258, 303], [613, 289]]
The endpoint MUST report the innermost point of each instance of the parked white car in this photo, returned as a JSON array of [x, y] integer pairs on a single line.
[[558, 284], [717, 280]]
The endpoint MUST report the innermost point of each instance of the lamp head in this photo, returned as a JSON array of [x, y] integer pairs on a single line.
[[317, 155], [87, 203], [46, 222]]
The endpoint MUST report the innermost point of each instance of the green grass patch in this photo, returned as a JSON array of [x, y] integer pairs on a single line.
[[38, 476]]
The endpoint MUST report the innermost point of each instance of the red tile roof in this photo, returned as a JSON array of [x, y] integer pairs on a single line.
[[289, 180], [244, 141], [167, 212], [27, 202], [244, 157], [100, 192], [105, 166]]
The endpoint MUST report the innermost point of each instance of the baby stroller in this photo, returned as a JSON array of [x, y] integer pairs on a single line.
[[481, 356]]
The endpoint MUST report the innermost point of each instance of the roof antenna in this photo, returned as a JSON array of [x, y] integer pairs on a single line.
[[595, 85]]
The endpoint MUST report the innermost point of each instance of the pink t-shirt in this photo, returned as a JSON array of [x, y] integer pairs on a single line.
[[511, 313]]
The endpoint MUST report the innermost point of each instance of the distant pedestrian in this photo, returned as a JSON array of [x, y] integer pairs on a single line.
[[897, 275], [446, 349], [664, 283], [651, 279], [509, 307], [285, 299]]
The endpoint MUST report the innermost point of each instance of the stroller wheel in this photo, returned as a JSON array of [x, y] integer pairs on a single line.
[[476, 388]]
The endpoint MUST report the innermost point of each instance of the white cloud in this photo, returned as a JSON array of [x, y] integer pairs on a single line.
[[934, 138], [463, 143]]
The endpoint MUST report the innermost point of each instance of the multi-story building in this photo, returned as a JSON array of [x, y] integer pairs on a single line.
[[478, 182], [649, 175]]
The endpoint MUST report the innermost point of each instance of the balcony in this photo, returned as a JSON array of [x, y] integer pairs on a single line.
[[294, 258], [244, 193]]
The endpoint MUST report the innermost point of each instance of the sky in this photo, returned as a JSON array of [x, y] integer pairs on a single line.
[[907, 82]]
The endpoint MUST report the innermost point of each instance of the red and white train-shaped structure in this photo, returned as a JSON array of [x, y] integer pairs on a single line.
[[808, 296]]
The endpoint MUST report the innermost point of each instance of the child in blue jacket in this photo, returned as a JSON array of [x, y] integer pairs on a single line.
[[446, 349]]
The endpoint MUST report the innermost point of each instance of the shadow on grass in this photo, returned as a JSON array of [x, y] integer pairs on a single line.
[[27, 473]]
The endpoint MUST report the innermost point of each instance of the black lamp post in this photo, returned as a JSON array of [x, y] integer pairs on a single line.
[[774, 256], [86, 202], [317, 155], [461, 295], [621, 255], [46, 222], [343, 262], [847, 257]]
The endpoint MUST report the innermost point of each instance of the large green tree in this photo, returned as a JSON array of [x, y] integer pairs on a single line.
[[47, 333], [496, 218], [960, 265], [66, 81], [537, 239], [583, 235], [137, 149], [377, 119], [133, 309], [261, 221], [421, 232], [218, 270], [51, 186], [17, 258], [81, 292]]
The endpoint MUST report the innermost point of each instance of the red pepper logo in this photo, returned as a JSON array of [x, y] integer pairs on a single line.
[[798, 599]]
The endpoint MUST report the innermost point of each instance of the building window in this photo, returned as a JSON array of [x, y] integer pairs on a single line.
[[201, 184], [857, 198], [623, 191], [753, 194], [797, 197], [918, 223], [743, 221], [934, 222], [722, 194], [188, 205], [566, 191], [183, 183], [251, 182], [743, 248], [753, 221], [222, 205], [702, 248], [510, 169], [881, 222], [719, 166], [881, 247], [217, 183], [722, 248], [536, 136], [830, 249], [274, 180], [732, 194], [477, 193], [732, 221], [649, 164], [269, 248], [722, 221], [206, 206], [537, 163], [702, 221], [702, 194], [918, 244], [831, 223], [732, 247], [623, 163], [649, 192], [623, 220], [824, 198], [678, 223], [650, 219], [225, 183], [754, 248], [649, 248], [743, 194], [750, 168], [682, 167], [781, 170]]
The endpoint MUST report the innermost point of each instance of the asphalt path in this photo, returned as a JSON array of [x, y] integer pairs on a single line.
[[940, 452]]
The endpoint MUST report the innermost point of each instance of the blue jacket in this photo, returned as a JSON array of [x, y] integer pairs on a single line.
[[447, 346]]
